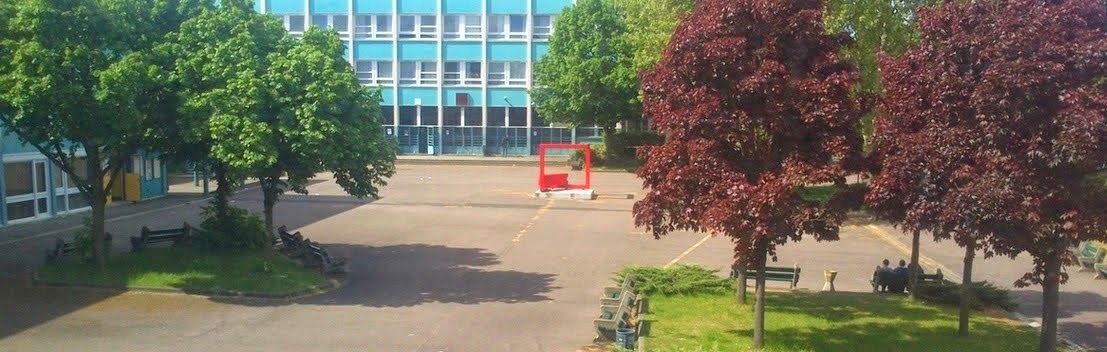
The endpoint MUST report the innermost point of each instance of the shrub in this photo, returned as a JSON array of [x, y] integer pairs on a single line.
[[576, 160], [676, 280], [82, 241], [237, 229], [622, 145], [985, 295]]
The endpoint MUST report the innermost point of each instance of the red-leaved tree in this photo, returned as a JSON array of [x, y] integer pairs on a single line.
[[990, 129], [756, 103]]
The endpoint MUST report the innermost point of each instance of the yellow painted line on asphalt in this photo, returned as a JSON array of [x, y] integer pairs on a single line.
[[533, 220], [690, 249], [925, 261]]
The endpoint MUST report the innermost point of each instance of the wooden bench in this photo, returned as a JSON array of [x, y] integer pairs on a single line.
[[329, 264], [783, 274], [291, 243], [147, 236], [62, 249], [1089, 256], [922, 278]]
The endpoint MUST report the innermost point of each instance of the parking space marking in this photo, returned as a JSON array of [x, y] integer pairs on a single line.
[[925, 261], [690, 249], [533, 220]]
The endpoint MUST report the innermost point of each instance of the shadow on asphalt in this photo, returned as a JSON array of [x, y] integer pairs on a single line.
[[23, 306], [1071, 304], [413, 274]]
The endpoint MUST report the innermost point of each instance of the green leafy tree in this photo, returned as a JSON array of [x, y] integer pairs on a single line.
[[650, 24], [74, 80], [588, 76], [276, 108]]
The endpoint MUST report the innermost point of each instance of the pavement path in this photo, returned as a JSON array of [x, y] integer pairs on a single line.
[[449, 259]]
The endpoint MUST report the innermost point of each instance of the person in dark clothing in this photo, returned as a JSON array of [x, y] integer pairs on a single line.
[[899, 278]]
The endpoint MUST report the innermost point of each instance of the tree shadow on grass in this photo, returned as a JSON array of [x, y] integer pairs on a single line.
[[900, 326], [414, 274]]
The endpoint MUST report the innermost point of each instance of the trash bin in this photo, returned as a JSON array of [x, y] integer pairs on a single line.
[[624, 338]]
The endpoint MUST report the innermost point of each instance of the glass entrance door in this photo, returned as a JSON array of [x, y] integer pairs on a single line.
[[41, 196]]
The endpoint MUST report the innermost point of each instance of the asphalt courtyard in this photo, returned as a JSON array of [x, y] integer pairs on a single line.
[[451, 258]]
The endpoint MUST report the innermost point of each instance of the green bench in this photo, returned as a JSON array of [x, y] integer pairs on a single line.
[[772, 273], [1089, 256]]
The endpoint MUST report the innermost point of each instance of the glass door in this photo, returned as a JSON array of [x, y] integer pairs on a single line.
[[41, 196]]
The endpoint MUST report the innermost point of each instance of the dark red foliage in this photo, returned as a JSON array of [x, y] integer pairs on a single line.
[[990, 129], [756, 103]]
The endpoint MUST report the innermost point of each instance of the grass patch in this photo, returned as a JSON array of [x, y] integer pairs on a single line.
[[825, 322], [192, 269], [817, 194]]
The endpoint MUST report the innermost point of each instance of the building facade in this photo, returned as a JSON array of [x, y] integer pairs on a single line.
[[454, 74], [33, 188]]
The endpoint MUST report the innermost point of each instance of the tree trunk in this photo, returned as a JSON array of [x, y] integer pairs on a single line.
[[608, 151], [742, 285], [913, 278], [269, 190], [97, 199], [99, 249], [1050, 296], [966, 290], [759, 305]]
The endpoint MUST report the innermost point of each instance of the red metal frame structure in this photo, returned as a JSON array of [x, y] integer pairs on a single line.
[[548, 182]]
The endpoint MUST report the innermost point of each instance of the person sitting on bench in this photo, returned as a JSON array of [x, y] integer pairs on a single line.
[[899, 277], [884, 275]]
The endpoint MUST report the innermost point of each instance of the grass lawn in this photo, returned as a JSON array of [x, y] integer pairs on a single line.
[[825, 322], [192, 269]]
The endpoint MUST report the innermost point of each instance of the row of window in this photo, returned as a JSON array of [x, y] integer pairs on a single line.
[[454, 73], [461, 116], [426, 26]]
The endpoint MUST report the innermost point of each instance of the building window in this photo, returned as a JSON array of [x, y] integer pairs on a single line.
[[373, 26], [543, 27], [418, 26], [373, 72], [293, 23], [418, 72], [462, 27], [339, 23], [507, 27], [509, 73], [387, 117], [462, 73]]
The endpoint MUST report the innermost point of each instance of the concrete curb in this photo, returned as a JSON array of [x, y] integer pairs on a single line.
[[332, 284]]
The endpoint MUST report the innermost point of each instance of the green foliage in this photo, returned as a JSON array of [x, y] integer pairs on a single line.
[[576, 159], [650, 23], [588, 76], [876, 26], [236, 229], [985, 295], [73, 77], [676, 280], [622, 146], [190, 269], [82, 241], [266, 105], [825, 322]]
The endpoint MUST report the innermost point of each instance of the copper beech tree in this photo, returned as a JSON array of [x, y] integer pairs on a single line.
[[756, 103], [991, 128]]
